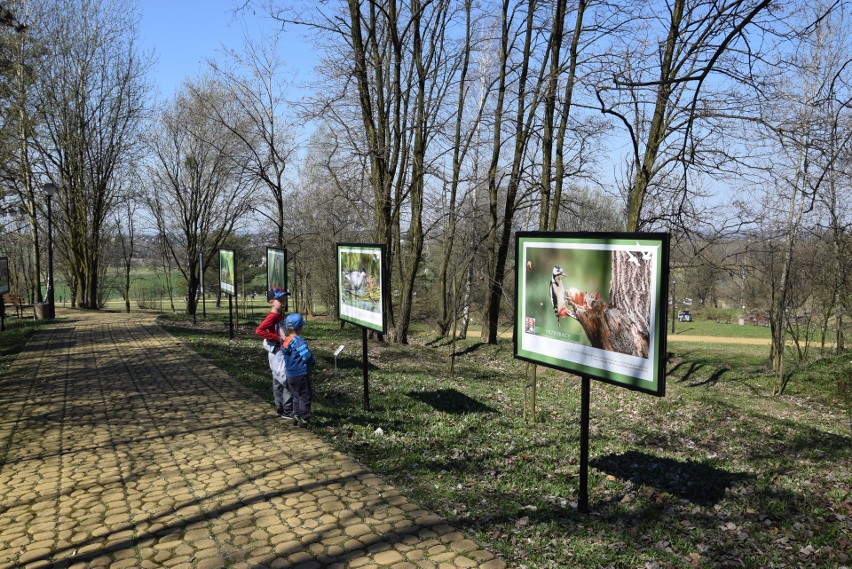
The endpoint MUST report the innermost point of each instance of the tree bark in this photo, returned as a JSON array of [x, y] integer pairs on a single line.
[[623, 324]]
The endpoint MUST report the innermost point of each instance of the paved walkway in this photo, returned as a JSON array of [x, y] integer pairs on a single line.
[[120, 448]]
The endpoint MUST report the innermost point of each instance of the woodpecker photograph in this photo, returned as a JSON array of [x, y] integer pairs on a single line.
[[596, 303], [558, 296], [599, 301], [551, 277]]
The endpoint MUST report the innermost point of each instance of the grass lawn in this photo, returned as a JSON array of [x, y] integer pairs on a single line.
[[716, 474], [702, 327]]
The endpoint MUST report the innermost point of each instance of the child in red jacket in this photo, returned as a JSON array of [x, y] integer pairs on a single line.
[[271, 330]]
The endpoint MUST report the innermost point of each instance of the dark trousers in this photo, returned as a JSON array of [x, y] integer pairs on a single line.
[[300, 388]]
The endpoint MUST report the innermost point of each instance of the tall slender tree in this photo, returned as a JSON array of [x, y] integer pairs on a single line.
[[92, 101], [656, 83], [501, 226], [19, 53]]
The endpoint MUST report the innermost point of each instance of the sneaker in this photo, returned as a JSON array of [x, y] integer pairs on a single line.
[[303, 423], [296, 420], [285, 415]]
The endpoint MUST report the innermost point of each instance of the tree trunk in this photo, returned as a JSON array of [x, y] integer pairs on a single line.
[[448, 309], [377, 124], [418, 152], [559, 174], [554, 48], [657, 131], [780, 306], [497, 258], [623, 324]]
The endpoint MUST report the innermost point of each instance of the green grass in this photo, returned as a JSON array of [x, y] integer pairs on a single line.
[[716, 474], [700, 327], [16, 333]]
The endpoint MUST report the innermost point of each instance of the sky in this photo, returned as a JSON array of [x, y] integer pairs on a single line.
[[184, 33]]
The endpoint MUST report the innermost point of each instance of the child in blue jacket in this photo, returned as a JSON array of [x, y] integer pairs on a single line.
[[297, 358]]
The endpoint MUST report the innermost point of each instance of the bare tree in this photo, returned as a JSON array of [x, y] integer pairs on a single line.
[[501, 227], [656, 87], [125, 223], [554, 170], [389, 62], [19, 54], [335, 184], [399, 54], [200, 188], [837, 156], [462, 137], [807, 148], [254, 86]]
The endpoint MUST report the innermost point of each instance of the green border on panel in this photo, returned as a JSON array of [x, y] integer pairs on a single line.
[[575, 292], [361, 286]]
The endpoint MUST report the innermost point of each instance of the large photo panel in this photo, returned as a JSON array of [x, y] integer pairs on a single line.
[[227, 271], [361, 285], [276, 268], [594, 304]]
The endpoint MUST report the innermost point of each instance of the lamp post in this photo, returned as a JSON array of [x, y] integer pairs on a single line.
[[49, 190]]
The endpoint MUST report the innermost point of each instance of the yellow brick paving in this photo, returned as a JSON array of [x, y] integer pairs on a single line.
[[121, 448]]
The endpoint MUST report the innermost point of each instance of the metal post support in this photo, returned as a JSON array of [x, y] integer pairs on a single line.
[[583, 498], [231, 315], [365, 363]]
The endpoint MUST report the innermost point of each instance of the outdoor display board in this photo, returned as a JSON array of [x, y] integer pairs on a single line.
[[4, 275], [594, 304], [276, 268], [227, 271], [360, 288]]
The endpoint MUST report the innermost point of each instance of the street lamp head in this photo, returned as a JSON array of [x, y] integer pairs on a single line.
[[49, 189]]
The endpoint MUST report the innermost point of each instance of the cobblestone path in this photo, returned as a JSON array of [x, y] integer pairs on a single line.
[[121, 448]]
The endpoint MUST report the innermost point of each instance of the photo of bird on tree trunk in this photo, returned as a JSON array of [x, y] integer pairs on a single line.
[[594, 304]]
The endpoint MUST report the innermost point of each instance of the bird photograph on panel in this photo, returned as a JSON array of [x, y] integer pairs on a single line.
[[276, 268], [227, 276], [360, 284]]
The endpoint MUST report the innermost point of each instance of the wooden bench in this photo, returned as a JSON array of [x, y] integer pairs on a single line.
[[16, 301]]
